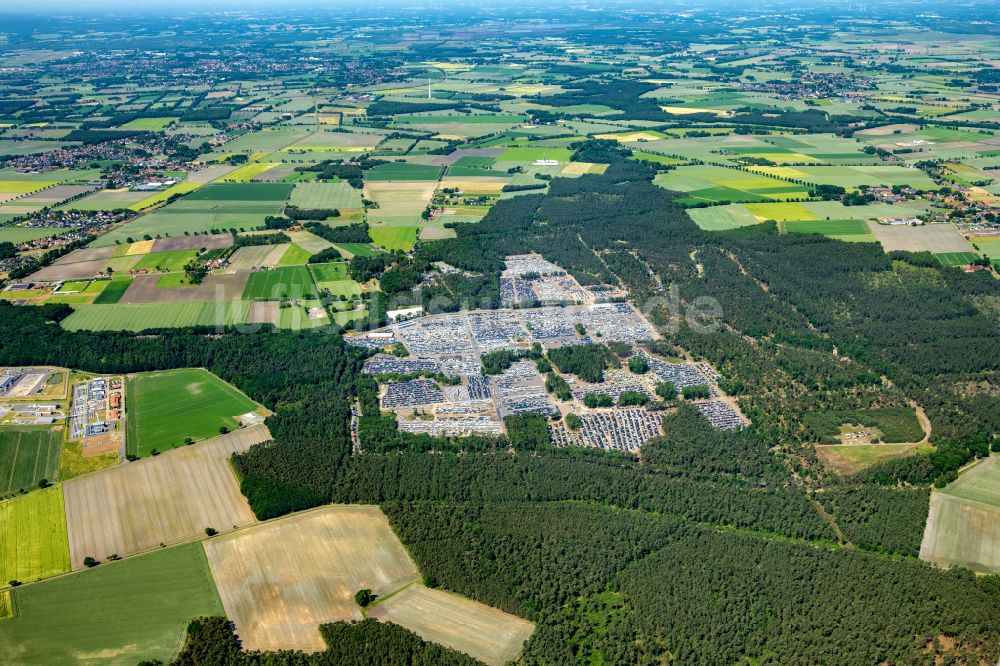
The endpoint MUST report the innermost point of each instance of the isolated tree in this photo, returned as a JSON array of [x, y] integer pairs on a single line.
[[364, 597], [90, 562]]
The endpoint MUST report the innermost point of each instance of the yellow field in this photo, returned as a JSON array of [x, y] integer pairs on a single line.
[[328, 119], [780, 211], [346, 110], [687, 110], [630, 136], [488, 634], [33, 536], [474, 185], [580, 168], [249, 172], [140, 247], [785, 172], [787, 157]]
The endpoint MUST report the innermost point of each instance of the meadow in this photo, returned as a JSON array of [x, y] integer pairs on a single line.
[[167, 407], [33, 541], [394, 238], [118, 614], [326, 195], [854, 231], [286, 282], [27, 455]]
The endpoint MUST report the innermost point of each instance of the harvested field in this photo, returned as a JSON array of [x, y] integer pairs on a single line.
[[57, 193], [255, 256], [208, 174], [138, 247], [73, 267], [308, 241], [934, 238], [488, 634], [215, 287], [399, 202], [264, 312], [280, 580], [163, 500], [207, 241], [963, 526]]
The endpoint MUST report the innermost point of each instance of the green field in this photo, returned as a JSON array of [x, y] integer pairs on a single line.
[[360, 249], [119, 613], [27, 455], [846, 230], [33, 542], [404, 171], [326, 195], [114, 291], [956, 258], [295, 255], [286, 282], [166, 407], [394, 238], [141, 316], [705, 182], [24, 234], [335, 270], [149, 123], [166, 261], [990, 247], [241, 192]]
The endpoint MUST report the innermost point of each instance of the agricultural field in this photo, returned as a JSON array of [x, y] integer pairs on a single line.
[[33, 542], [119, 613], [963, 526], [852, 231], [286, 282], [394, 238], [933, 238], [144, 316], [280, 580], [326, 195], [488, 634], [28, 455], [165, 408], [699, 183], [165, 499]]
